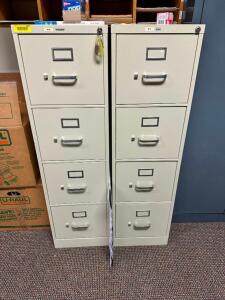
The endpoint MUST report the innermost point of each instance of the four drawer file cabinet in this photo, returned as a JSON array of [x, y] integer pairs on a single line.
[[66, 88], [153, 76]]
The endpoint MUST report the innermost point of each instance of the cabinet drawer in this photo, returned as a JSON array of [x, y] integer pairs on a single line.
[[72, 183], [61, 69], [70, 133], [156, 69], [144, 181], [142, 220], [149, 132], [80, 221]]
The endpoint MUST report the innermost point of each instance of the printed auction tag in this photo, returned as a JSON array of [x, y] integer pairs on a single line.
[[109, 200], [99, 46], [22, 28]]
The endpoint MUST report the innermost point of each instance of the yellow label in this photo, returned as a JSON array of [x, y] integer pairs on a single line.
[[22, 28]]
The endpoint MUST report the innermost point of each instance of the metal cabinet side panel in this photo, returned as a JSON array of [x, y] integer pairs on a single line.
[[33, 129]]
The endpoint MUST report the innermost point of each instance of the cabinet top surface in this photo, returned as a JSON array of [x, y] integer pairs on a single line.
[[115, 28], [157, 29], [58, 29]]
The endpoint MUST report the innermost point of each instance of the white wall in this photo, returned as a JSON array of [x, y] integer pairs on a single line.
[[8, 60]]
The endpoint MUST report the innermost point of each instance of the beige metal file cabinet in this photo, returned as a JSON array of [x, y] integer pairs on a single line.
[[153, 76], [67, 98]]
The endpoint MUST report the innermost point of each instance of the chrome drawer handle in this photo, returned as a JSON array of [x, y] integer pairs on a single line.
[[76, 189], [148, 140], [70, 142], [64, 80], [142, 224], [144, 186], [81, 226], [154, 78]]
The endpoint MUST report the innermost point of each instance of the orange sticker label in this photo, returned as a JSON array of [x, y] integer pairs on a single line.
[[5, 138]]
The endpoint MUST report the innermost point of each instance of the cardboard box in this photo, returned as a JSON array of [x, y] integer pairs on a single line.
[[18, 162], [71, 11], [23, 208], [165, 18], [12, 100]]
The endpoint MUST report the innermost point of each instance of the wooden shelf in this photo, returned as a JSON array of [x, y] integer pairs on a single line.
[[146, 11], [156, 9], [30, 10], [110, 11], [112, 18], [16, 10]]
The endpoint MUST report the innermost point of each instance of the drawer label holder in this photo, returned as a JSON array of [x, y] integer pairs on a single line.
[[150, 122], [143, 213], [75, 174], [145, 172], [79, 214], [156, 53], [62, 54], [70, 123]]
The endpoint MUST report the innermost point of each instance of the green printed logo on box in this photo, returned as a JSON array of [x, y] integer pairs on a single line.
[[17, 200], [5, 139]]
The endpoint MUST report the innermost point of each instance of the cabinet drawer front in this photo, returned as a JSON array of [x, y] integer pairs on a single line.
[[70, 133], [61, 69], [80, 221], [144, 181], [156, 69], [149, 132], [73, 183], [141, 220]]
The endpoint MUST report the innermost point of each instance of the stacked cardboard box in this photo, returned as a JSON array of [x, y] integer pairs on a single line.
[[72, 10], [22, 203]]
